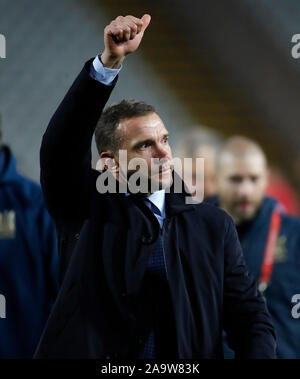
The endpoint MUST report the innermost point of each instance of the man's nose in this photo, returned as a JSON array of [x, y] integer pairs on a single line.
[[161, 150], [245, 188]]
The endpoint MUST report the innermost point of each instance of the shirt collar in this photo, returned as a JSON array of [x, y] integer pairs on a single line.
[[158, 199]]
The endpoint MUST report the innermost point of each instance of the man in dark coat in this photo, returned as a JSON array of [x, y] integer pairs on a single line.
[[270, 239], [144, 275]]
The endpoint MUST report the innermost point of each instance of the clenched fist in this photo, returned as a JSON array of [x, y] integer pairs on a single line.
[[121, 37]]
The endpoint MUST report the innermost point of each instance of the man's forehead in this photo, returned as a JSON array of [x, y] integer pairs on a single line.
[[245, 166], [245, 160], [143, 127]]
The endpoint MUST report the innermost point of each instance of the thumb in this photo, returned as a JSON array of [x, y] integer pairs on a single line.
[[146, 21]]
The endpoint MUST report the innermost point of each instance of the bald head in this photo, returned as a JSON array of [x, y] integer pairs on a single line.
[[241, 177], [239, 148]]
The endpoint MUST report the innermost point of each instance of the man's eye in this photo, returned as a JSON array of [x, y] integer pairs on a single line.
[[144, 145], [165, 140], [236, 179]]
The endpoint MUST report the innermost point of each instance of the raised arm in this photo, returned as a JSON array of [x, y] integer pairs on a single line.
[[65, 156]]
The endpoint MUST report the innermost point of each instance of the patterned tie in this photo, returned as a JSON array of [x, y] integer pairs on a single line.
[[156, 277], [153, 207]]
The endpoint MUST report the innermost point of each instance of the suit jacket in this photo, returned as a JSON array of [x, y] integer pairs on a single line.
[[105, 241]]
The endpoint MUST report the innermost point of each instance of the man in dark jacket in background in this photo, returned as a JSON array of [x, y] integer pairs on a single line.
[[146, 275], [270, 239], [28, 261]]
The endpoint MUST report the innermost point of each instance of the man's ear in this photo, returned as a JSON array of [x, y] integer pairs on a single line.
[[107, 162]]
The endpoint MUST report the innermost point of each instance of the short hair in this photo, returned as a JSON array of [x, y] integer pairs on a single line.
[[239, 147], [106, 136], [196, 137]]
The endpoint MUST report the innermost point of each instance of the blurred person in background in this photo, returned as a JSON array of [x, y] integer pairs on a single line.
[[270, 239], [280, 188], [28, 260], [200, 142]]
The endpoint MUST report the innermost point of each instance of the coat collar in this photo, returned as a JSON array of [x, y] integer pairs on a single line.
[[177, 202]]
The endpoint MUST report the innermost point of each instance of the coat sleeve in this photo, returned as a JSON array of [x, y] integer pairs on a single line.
[[248, 325], [65, 155]]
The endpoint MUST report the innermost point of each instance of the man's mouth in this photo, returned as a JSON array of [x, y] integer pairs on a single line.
[[160, 169], [164, 169], [244, 206]]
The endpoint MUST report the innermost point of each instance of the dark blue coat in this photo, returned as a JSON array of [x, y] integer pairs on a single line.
[[285, 279], [105, 241], [28, 261]]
